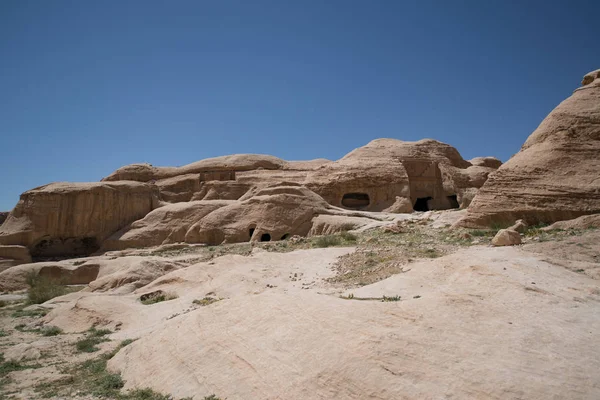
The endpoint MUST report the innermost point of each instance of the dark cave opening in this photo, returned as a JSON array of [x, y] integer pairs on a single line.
[[453, 201], [356, 200], [421, 204], [265, 237]]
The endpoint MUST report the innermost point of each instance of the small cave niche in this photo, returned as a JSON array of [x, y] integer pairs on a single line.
[[453, 200], [53, 248], [421, 204], [284, 237], [356, 200], [251, 232], [265, 237]]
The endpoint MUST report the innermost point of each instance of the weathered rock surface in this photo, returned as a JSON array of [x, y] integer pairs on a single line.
[[270, 214], [140, 205], [67, 272], [167, 224], [16, 253], [389, 174], [506, 237], [583, 222], [555, 176], [74, 218], [464, 313]]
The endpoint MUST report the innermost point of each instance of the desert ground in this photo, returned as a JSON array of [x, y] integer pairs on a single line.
[[405, 308]]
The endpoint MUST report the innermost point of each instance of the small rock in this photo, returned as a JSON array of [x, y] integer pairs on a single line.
[[506, 237]]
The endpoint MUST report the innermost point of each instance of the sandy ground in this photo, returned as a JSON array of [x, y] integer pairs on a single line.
[[476, 323]]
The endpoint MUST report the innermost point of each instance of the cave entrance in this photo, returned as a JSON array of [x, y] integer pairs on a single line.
[[356, 200], [251, 232], [57, 248], [453, 200], [265, 237], [284, 237], [421, 204]]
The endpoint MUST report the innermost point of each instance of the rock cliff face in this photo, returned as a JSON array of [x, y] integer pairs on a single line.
[[240, 198], [62, 219], [556, 175]]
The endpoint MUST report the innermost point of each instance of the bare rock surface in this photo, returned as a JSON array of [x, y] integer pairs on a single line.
[[506, 237], [74, 218], [583, 222], [555, 175], [348, 348]]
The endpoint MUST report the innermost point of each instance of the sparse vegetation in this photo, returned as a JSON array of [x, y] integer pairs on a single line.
[[383, 298], [206, 301], [92, 378], [20, 312], [327, 241], [3, 333], [10, 366], [157, 297], [92, 339], [50, 331], [42, 289]]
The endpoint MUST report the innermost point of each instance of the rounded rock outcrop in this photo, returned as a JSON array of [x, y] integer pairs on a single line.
[[555, 175]]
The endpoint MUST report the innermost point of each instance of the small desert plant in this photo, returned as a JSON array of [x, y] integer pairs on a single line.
[[93, 338], [3, 333], [157, 297], [390, 298], [42, 289], [51, 331], [29, 313], [206, 301], [327, 241], [348, 237], [211, 397]]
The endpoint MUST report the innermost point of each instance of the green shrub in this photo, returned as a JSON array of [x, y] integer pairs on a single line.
[[51, 331], [42, 289], [93, 338], [327, 241], [206, 301], [157, 297], [348, 237]]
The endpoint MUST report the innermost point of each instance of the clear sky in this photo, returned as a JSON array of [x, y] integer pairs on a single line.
[[89, 86]]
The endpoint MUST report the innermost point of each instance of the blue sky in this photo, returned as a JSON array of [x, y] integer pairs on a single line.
[[89, 86]]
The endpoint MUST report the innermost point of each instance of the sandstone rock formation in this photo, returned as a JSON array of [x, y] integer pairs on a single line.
[[555, 176], [240, 198], [74, 218]]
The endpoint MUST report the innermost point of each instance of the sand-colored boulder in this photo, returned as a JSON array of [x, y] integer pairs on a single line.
[[68, 219], [506, 237], [272, 213], [555, 175], [167, 224]]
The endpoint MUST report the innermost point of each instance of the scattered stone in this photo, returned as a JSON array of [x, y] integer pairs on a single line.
[[506, 237]]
